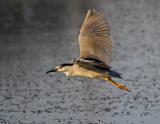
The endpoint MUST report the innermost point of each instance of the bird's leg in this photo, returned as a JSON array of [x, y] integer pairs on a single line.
[[118, 85]]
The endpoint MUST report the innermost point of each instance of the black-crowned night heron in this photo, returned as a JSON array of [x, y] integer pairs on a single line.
[[95, 52]]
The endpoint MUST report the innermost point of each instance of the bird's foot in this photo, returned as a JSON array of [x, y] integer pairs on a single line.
[[120, 86]]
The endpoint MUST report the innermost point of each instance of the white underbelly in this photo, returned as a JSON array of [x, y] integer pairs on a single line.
[[82, 72]]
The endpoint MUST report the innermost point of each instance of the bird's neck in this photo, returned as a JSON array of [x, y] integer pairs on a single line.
[[69, 70]]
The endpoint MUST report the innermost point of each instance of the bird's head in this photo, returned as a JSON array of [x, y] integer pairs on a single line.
[[61, 68]]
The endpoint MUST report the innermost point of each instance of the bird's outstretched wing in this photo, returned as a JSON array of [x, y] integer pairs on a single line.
[[94, 38]]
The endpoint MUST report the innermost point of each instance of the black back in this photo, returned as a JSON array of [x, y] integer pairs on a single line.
[[96, 65], [66, 64]]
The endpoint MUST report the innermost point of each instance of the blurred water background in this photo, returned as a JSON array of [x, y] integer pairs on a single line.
[[40, 34]]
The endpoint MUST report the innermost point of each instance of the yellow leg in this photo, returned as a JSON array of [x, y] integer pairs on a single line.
[[120, 86]]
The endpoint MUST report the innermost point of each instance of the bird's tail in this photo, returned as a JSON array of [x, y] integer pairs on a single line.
[[120, 86], [114, 74]]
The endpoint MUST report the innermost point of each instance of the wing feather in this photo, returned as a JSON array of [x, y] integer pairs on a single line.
[[94, 38]]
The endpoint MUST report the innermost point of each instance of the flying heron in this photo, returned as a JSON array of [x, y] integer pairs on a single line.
[[95, 52]]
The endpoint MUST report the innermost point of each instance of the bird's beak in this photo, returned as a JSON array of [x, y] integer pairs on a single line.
[[52, 70]]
